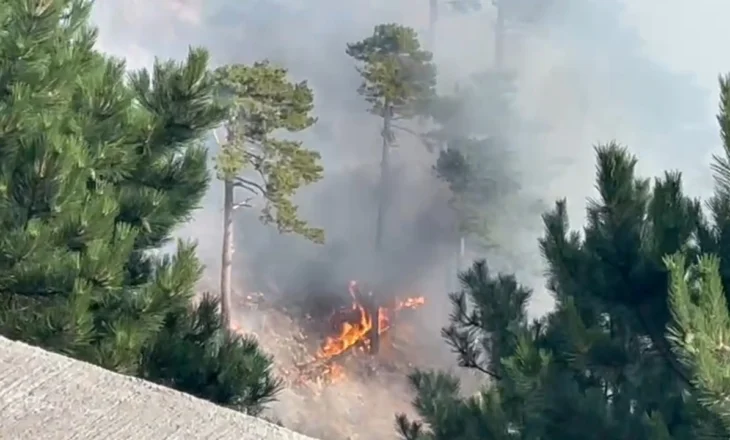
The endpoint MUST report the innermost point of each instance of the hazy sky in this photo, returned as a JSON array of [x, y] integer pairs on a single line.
[[689, 36], [686, 35]]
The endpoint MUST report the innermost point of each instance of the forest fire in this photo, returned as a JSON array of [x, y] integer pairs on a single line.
[[354, 328], [357, 326]]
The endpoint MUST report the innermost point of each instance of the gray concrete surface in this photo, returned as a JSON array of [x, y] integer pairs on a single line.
[[46, 396]]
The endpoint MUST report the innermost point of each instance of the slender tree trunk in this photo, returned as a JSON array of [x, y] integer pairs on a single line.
[[433, 17], [499, 36], [227, 254], [384, 189], [459, 265], [373, 308], [461, 254]]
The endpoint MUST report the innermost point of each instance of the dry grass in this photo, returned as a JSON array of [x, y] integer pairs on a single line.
[[359, 404]]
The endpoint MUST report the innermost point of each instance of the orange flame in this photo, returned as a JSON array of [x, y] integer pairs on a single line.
[[355, 331]]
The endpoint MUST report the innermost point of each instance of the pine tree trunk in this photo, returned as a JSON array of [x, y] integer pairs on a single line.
[[373, 308], [461, 254], [384, 177], [499, 36], [227, 254]]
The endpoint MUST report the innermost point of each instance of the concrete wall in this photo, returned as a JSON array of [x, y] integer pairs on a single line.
[[51, 397]]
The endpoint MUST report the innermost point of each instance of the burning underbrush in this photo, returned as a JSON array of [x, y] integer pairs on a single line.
[[345, 373], [361, 325]]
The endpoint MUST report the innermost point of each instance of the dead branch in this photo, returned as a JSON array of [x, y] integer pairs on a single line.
[[245, 204]]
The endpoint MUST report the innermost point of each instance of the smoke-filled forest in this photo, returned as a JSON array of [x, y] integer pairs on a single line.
[[416, 219]]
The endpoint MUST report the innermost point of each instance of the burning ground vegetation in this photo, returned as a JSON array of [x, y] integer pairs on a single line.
[[344, 372]]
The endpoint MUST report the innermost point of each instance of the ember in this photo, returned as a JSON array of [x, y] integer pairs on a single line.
[[354, 326]]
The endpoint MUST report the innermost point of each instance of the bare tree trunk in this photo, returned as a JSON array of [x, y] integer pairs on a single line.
[[373, 309], [499, 36], [227, 254], [384, 190], [433, 17]]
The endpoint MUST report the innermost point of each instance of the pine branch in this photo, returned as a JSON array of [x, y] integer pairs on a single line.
[[409, 430]]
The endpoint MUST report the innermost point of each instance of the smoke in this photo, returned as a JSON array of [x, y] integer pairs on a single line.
[[588, 71]]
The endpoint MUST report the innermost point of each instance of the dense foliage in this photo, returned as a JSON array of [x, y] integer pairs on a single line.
[[602, 364], [96, 171], [263, 102]]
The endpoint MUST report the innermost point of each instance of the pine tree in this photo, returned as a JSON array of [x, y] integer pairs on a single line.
[[700, 331], [479, 121], [700, 325], [398, 81], [600, 365], [195, 353], [477, 172], [477, 136], [262, 101], [96, 172]]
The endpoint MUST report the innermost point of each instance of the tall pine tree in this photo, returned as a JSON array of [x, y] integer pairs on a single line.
[[263, 101], [476, 158], [399, 79], [95, 173]]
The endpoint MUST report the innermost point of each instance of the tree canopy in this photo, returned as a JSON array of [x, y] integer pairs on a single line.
[[97, 170], [398, 75], [262, 101]]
